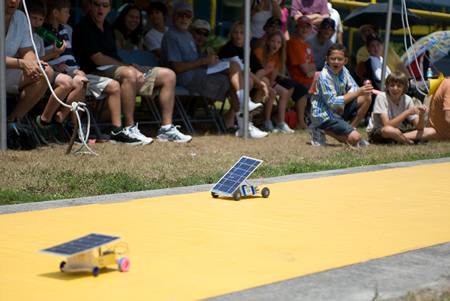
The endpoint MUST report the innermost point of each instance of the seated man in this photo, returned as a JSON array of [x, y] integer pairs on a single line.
[[321, 42], [95, 50], [338, 99], [200, 31], [179, 52], [23, 75]]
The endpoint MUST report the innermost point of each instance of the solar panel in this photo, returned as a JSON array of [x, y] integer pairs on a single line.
[[80, 245], [237, 174]]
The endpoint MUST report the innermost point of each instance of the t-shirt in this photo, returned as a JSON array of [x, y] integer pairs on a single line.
[[18, 35], [392, 58], [377, 66], [319, 51], [258, 21], [310, 7], [88, 40], [64, 32], [298, 53], [127, 44], [273, 61], [438, 106], [384, 105], [179, 46], [39, 42], [153, 39], [230, 50]]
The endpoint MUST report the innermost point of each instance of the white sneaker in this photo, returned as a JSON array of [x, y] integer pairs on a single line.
[[253, 108], [317, 137], [363, 143], [253, 132], [172, 134], [284, 128], [134, 132]]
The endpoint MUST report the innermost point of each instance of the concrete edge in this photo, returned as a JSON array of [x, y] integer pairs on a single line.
[[122, 197]]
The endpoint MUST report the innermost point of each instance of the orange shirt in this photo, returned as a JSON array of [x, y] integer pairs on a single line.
[[298, 53], [273, 61], [439, 104]]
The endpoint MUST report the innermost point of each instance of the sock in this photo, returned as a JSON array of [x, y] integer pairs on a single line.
[[240, 95], [166, 127], [45, 123], [117, 129]]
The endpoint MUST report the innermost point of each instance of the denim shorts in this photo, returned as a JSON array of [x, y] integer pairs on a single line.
[[337, 125]]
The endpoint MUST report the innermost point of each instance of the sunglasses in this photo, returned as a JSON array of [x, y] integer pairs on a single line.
[[327, 27], [185, 15], [202, 33], [98, 4], [275, 25]]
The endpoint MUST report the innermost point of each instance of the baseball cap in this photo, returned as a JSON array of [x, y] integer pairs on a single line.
[[328, 22], [183, 6], [371, 37], [303, 20], [273, 19], [201, 24]]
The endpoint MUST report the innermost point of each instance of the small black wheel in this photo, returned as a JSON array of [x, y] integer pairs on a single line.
[[62, 265], [237, 195], [95, 271], [214, 195], [265, 192]]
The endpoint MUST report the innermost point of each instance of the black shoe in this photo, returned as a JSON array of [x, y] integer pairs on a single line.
[[124, 136]]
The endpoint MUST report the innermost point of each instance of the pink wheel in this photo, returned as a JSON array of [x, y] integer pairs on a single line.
[[124, 264]]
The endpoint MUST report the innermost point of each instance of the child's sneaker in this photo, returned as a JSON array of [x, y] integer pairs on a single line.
[[363, 143], [172, 134], [253, 108], [284, 128], [124, 136], [317, 137], [45, 133], [253, 132], [134, 132], [267, 126]]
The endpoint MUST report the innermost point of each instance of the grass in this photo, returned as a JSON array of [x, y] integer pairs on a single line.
[[47, 174]]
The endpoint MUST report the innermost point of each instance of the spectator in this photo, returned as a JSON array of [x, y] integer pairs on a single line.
[[157, 13], [338, 36], [179, 52], [391, 108], [316, 11], [56, 21], [321, 42], [273, 58], [284, 19], [128, 28], [272, 24], [200, 30], [23, 75], [261, 11], [300, 61], [338, 99], [235, 47], [374, 62], [439, 114], [49, 125], [95, 50], [393, 61]]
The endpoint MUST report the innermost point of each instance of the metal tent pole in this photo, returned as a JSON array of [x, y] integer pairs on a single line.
[[386, 44], [3, 115], [246, 65]]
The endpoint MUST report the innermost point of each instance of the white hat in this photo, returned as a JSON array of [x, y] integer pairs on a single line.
[[201, 24]]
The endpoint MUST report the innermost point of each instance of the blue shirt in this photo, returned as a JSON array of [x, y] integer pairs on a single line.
[[330, 91], [179, 46]]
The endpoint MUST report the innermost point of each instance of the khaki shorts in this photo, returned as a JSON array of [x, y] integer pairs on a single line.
[[145, 90], [12, 78]]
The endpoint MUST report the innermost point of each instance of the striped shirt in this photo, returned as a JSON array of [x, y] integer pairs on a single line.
[[64, 32], [328, 101]]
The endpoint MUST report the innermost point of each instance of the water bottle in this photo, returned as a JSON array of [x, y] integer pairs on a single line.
[[48, 36], [429, 73]]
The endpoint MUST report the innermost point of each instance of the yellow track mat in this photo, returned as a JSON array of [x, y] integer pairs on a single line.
[[190, 247]]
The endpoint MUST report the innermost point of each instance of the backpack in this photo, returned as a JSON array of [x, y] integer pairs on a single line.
[[20, 136]]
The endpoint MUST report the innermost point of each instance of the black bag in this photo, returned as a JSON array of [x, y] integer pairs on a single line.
[[20, 136]]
